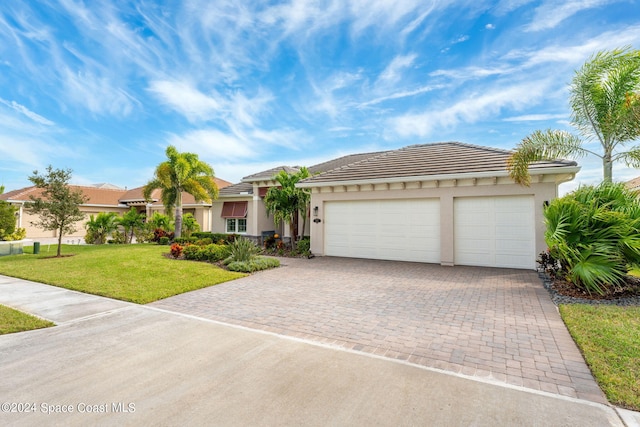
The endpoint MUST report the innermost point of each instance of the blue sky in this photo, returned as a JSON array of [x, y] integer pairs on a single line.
[[102, 87]]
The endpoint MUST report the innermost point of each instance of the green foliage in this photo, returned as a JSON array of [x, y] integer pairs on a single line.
[[99, 227], [7, 219], [304, 247], [118, 238], [164, 240], [210, 253], [189, 225], [182, 172], [594, 233], [131, 221], [255, 264], [605, 103], [241, 250], [185, 240], [219, 238], [59, 207], [162, 221], [286, 201]]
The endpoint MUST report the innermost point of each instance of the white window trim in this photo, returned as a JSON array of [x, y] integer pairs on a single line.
[[236, 223]]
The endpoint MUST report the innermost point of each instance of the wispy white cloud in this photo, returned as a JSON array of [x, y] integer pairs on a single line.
[[393, 72], [535, 117], [551, 12], [471, 109], [26, 112], [187, 100]]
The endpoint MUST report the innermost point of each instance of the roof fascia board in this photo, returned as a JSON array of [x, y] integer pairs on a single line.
[[488, 174]]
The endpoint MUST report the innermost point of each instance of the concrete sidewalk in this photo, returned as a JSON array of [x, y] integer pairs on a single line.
[[116, 363]]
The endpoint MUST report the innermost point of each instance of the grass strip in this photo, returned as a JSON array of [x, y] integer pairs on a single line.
[[12, 321], [609, 338]]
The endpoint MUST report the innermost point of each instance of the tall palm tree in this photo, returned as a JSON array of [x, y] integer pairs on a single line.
[[605, 103], [286, 201], [182, 172]]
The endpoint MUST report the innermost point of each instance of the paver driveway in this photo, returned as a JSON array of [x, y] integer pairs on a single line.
[[499, 324]]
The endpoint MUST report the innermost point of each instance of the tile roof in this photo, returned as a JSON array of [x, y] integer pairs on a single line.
[[443, 158], [237, 189], [96, 195], [633, 184], [341, 161], [105, 194], [268, 174]]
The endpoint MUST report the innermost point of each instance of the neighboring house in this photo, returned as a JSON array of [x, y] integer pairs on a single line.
[[447, 203], [107, 198]]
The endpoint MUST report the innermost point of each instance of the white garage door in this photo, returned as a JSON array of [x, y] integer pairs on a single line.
[[495, 231], [404, 230]]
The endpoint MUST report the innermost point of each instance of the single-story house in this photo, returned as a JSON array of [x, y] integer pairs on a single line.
[[447, 203], [107, 198]]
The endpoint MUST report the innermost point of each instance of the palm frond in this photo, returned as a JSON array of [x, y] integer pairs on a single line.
[[542, 145]]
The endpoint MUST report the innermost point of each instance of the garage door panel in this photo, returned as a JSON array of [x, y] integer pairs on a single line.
[[495, 231], [406, 230]]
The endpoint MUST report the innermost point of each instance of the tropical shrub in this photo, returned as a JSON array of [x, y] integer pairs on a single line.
[[203, 242], [211, 253], [185, 240], [99, 227], [256, 264], [176, 250], [189, 225], [594, 233], [18, 234], [242, 250], [303, 246], [7, 219], [164, 240]]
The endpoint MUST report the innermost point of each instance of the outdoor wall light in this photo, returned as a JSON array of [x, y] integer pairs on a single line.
[[315, 211]]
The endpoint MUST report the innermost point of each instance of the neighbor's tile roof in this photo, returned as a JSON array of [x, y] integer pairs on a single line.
[[444, 158], [96, 195], [633, 184], [105, 194]]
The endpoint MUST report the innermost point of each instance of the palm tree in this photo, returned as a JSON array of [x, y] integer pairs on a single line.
[[100, 226], [131, 221], [605, 100], [286, 201], [182, 172]]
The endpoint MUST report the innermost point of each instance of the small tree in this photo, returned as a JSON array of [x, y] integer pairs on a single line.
[[7, 219], [286, 201], [131, 221], [59, 206]]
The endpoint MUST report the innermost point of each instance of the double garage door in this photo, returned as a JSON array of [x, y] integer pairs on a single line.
[[487, 231]]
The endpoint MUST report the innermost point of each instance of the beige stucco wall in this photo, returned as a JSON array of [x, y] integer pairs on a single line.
[[446, 192], [25, 219]]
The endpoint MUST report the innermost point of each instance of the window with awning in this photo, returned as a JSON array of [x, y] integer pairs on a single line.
[[234, 209]]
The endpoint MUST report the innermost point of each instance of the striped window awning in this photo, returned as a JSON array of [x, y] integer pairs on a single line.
[[234, 209]]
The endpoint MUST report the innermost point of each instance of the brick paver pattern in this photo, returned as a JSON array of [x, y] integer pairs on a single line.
[[499, 324]]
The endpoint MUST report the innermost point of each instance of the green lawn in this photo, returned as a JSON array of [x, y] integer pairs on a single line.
[[16, 321], [136, 273], [609, 338]]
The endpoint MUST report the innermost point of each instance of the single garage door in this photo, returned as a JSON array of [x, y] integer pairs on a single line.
[[403, 230], [495, 231]]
